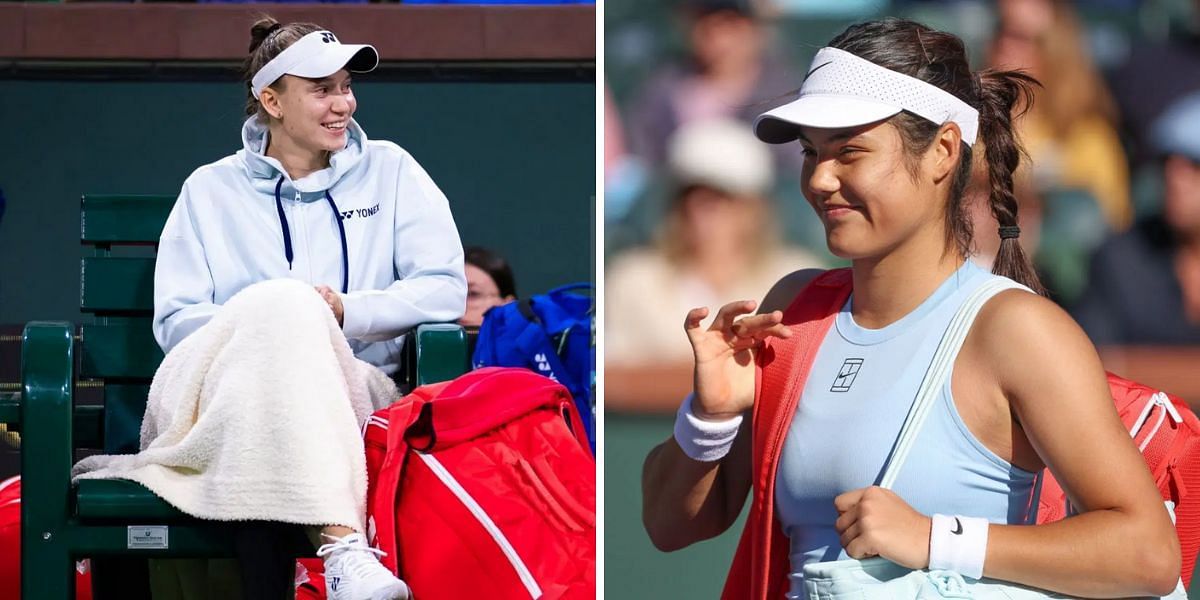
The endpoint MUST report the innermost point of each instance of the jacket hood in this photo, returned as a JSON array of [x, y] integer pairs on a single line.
[[264, 171]]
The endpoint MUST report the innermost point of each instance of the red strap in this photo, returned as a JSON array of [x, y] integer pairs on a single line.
[[761, 564], [399, 416]]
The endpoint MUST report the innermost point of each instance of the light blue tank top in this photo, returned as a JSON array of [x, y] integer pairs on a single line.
[[854, 402]]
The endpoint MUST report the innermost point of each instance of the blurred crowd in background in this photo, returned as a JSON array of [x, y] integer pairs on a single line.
[[699, 213]]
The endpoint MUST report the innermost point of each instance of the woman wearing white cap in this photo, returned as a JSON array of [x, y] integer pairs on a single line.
[[889, 118], [310, 198]]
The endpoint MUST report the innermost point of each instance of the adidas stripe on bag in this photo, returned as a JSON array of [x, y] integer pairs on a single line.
[[485, 487], [481, 487]]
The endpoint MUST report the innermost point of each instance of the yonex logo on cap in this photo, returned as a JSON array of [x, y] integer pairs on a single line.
[[317, 54]]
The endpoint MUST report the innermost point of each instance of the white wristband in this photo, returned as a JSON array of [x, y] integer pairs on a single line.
[[705, 441], [958, 544]]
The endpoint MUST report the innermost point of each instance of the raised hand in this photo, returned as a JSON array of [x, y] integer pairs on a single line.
[[724, 354]]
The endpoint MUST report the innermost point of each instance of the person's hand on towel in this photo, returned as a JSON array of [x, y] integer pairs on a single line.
[[333, 300]]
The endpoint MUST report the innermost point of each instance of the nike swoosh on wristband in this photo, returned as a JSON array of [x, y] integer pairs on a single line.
[[957, 524]]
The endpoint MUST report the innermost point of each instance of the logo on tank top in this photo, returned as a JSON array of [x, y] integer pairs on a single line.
[[846, 375]]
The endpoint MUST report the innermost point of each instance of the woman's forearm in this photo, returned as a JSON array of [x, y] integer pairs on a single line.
[[1097, 554], [684, 500]]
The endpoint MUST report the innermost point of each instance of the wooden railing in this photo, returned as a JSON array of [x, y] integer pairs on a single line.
[[221, 32]]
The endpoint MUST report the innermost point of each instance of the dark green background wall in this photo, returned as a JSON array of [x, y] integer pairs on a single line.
[[633, 568], [516, 159]]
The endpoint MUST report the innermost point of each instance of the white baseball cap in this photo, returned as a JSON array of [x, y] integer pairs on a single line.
[[318, 54], [844, 90], [722, 154]]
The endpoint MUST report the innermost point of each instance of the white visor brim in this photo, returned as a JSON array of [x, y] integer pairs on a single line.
[[782, 125], [318, 54], [843, 90], [356, 58]]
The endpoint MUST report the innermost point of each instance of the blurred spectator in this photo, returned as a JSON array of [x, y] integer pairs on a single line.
[[1144, 286], [1155, 75], [727, 75], [490, 283], [842, 9], [614, 138], [624, 175], [717, 245], [1070, 132]]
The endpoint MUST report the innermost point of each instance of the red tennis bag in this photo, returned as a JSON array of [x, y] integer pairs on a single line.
[[484, 487], [1168, 433], [10, 547]]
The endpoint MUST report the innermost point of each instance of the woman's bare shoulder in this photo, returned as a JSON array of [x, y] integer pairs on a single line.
[[786, 289], [1028, 338], [1016, 318]]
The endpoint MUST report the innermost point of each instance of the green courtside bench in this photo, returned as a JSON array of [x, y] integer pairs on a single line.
[[122, 522]]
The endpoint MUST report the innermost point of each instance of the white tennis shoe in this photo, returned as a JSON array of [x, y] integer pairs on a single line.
[[353, 571]]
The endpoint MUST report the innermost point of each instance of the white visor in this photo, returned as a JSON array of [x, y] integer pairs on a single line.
[[843, 90], [318, 54]]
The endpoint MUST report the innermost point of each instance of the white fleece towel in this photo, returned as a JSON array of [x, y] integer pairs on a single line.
[[257, 416]]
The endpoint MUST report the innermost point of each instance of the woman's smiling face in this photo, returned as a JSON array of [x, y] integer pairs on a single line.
[[316, 112], [868, 192]]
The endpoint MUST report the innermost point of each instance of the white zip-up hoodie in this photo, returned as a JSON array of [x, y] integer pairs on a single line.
[[227, 231]]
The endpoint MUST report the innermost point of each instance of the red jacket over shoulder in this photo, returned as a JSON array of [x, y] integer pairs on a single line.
[[760, 565]]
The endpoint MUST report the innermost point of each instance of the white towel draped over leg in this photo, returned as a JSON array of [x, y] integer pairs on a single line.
[[257, 416]]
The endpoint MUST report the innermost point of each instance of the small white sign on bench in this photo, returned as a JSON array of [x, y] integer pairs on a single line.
[[146, 537]]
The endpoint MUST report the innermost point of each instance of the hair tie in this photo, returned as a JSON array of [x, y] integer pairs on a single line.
[[272, 29], [1009, 232]]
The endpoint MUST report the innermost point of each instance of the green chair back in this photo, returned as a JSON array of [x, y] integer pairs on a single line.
[[116, 287]]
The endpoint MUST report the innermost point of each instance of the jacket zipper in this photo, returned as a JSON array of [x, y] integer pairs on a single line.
[[302, 225], [480, 515]]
